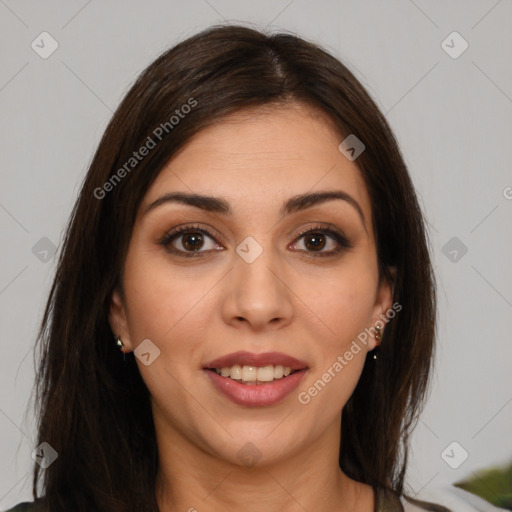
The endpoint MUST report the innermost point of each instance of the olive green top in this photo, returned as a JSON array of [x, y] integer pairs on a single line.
[[24, 507]]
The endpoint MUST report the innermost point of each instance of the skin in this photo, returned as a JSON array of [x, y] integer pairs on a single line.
[[288, 300]]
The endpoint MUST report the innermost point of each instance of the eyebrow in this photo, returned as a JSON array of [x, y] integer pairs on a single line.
[[219, 205]]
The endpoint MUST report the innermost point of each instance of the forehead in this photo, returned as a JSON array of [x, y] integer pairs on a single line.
[[259, 157]]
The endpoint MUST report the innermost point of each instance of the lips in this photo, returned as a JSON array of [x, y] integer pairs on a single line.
[[256, 394], [244, 358]]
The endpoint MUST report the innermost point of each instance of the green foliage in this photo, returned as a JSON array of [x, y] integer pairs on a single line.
[[493, 485]]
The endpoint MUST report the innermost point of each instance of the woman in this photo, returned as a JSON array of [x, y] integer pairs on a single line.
[[243, 313]]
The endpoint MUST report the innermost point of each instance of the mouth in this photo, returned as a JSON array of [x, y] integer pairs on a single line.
[[253, 375], [256, 379]]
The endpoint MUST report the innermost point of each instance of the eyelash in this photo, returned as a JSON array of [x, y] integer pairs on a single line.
[[166, 240]]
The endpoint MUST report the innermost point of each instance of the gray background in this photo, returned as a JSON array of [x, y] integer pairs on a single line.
[[452, 117]]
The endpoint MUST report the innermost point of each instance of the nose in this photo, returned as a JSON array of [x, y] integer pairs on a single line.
[[257, 294]]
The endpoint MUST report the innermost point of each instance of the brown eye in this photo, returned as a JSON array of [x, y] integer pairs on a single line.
[[320, 241], [315, 241], [192, 241]]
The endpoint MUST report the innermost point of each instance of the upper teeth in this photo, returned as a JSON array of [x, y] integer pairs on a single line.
[[253, 373]]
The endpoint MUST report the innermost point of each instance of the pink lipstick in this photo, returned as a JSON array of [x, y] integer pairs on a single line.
[[255, 380]]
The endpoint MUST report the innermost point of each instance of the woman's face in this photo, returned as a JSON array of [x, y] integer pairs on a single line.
[[244, 277]]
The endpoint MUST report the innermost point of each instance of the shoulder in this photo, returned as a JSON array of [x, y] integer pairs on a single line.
[[26, 506], [449, 499]]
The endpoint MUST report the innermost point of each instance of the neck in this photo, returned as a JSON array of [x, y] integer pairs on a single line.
[[189, 479]]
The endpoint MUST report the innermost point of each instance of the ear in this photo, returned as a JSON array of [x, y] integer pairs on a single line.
[[118, 319], [383, 303]]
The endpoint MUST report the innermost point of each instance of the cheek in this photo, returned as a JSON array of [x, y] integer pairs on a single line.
[[161, 299], [342, 304], [340, 354], [350, 313]]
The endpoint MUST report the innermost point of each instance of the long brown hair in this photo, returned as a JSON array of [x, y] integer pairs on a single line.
[[93, 406]]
